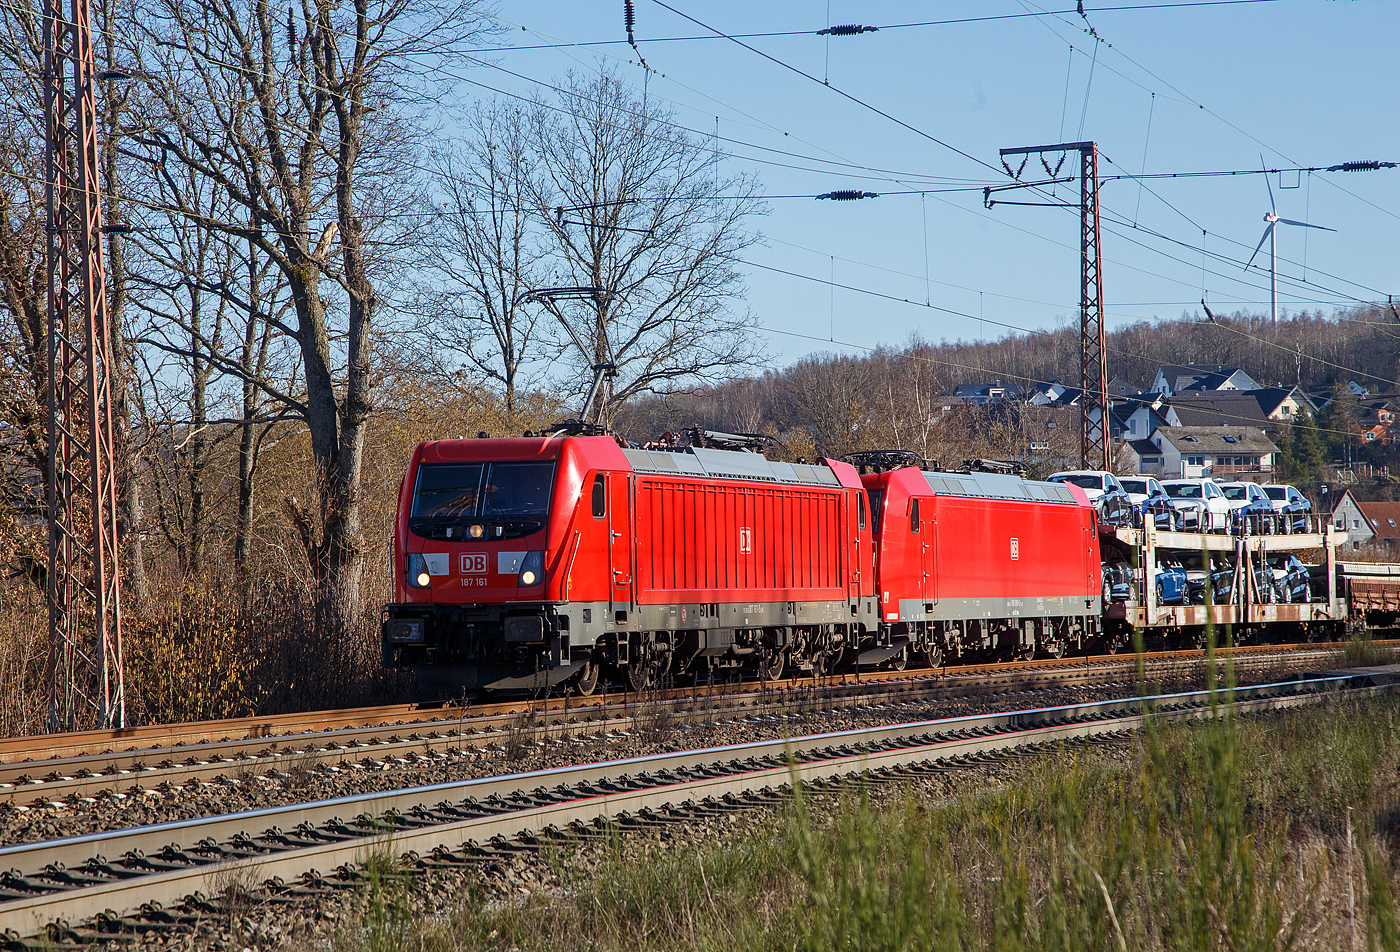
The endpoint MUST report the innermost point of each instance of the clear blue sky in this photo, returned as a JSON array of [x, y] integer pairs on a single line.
[[1304, 82]]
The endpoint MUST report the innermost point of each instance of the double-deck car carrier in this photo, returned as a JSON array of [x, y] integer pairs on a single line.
[[1235, 589]]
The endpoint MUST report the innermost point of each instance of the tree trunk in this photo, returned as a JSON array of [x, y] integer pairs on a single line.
[[128, 462]]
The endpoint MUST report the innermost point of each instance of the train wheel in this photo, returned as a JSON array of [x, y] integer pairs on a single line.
[[1055, 648], [771, 663], [587, 681], [646, 672], [900, 661], [933, 656]]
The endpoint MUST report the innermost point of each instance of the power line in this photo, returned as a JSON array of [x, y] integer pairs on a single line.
[[957, 21]]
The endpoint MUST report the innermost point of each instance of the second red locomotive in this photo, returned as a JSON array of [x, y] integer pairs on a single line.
[[527, 563]]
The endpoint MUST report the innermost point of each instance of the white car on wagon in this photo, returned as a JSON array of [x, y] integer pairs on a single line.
[[1200, 501]]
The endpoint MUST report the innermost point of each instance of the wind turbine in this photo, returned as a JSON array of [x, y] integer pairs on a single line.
[[1269, 235]]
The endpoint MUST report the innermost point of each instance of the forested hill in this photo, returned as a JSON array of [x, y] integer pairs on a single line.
[[840, 398]]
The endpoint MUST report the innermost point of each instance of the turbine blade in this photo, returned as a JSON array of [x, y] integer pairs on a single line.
[[1303, 224], [1260, 245], [1262, 164]]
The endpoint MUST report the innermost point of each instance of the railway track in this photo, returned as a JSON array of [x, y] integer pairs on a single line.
[[315, 846], [276, 727], [232, 761]]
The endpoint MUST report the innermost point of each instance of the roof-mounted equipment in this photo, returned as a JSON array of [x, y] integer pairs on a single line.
[[884, 461], [715, 440], [1008, 467]]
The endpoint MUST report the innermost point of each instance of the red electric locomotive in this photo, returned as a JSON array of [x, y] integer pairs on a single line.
[[525, 563], [522, 564], [975, 561]]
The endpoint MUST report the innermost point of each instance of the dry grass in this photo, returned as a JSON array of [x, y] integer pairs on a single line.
[[205, 652], [24, 638], [1363, 652]]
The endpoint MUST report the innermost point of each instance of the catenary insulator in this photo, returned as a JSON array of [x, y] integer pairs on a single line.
[[1368, 166], [847, 29]]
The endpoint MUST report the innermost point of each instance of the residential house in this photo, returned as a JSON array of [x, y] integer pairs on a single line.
[[1174, 378], [973, 393], [1231, 452], [1138, 416], [1368, 522], [1284, 404], [1051, 394], [1380, 434], [1271, 409], [1220, 408], [1347, 515], [1139, 456], [1118, 387], [1377, 409]]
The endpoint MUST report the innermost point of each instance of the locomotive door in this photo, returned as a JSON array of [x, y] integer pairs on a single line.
[[855, 519], [620, 540], [930, 555]]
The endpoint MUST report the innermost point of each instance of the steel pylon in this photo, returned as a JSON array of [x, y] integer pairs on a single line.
[[1094, 441], [86, 684], [1093, 402]]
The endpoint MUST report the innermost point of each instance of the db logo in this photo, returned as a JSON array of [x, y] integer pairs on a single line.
[[745, 541], [473, 563], [1015, 549]]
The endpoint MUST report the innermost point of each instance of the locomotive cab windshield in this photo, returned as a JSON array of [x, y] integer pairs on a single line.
[[497, 500]]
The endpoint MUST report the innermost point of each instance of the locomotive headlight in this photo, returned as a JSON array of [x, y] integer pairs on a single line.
[[532, 569], [476, 532], [418, 576]]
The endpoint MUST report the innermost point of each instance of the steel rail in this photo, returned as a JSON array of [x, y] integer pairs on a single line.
[[396, 717], [230, 762], [422, 819]]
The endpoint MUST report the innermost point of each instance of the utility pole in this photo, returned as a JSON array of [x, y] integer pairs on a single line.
[[1094, 443], [86, 684]]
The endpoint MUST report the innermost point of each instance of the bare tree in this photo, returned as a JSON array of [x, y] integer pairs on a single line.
[[23, 289], [637, 208], [829, 396], [300, 123], [486, 250], [199, 293]]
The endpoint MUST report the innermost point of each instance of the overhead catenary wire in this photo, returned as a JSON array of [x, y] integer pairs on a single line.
[[921, 192], [557, 89], [835, 89], [955, 21], [1186, 98], [909, 192]]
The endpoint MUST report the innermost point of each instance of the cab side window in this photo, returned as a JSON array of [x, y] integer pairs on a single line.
[[914, 515], [862, 512], [600, 496]]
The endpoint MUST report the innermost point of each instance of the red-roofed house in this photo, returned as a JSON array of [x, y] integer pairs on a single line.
[[1373, 522]]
